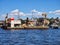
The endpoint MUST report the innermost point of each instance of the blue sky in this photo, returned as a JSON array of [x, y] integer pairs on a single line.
[[27, 5]]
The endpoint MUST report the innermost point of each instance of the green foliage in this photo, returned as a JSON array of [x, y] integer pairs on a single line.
[[22, 21]]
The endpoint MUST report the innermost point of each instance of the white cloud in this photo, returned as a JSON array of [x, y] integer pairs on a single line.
[[29, 14], [34, 11], [40, 13], [22, 14], [16, 12], [56, 12], [2, 17], [50, 12]]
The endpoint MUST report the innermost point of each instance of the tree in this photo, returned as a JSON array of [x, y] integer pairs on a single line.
[[57, 19], [44, 14], [27, 20]]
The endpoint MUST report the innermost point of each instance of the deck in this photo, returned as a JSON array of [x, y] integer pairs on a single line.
[[34, 27]]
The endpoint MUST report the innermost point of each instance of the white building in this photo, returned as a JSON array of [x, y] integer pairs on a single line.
[[13, 23]]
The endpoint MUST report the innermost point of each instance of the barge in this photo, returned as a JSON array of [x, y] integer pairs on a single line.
[[11, 23], [35, 27]]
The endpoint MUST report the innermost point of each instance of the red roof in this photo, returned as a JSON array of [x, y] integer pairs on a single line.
[[11, 18]]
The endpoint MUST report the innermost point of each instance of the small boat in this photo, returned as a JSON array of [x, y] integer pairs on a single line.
[[54, 26]]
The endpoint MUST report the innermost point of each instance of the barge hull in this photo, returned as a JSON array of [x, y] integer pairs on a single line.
[[38, 27]]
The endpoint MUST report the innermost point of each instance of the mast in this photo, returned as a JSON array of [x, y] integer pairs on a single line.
[[18, 15], [6, 19], [32, 15]]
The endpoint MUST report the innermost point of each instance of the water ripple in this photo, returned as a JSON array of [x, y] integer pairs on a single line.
[[30, 37]]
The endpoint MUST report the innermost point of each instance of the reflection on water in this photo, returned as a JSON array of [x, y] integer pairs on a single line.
[[30, 37]]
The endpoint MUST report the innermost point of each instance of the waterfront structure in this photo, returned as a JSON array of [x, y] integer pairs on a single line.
[[13, 23]]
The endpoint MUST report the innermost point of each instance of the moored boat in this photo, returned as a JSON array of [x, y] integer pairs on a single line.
[[54, 26]]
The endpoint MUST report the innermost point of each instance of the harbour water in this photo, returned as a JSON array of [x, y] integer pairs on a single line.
[[30, 37]]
